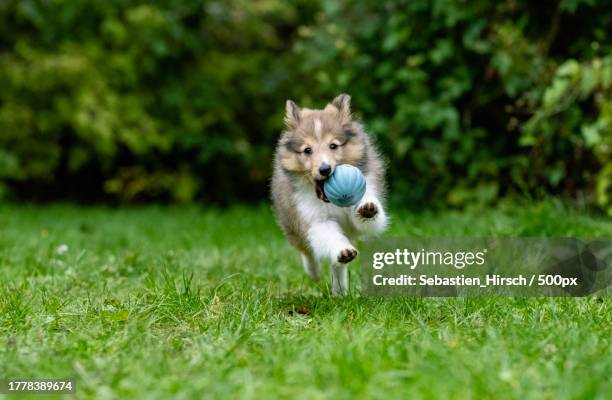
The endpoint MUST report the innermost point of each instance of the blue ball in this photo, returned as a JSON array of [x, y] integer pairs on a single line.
[[346, 186]]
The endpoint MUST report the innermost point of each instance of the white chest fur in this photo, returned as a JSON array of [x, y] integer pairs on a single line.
[[312, 209]]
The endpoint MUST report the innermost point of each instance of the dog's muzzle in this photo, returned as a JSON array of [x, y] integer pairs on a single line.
[[319, 190]]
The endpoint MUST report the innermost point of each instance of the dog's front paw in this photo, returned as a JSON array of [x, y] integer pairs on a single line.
[[368, 210], [347, 255]]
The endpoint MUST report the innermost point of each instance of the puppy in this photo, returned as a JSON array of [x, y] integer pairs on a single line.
[[314, 142]]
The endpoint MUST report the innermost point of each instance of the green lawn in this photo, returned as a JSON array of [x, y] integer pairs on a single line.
[[188, 303]]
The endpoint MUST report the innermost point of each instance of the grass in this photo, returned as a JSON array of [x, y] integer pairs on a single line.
[[189, 303]]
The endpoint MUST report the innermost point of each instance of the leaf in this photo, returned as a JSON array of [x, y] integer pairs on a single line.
[[591, 135]]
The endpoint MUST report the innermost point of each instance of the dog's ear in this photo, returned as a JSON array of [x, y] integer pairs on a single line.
[[343, 103], [292, 114]]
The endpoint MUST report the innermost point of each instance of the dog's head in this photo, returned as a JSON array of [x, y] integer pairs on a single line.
[[317, 140]]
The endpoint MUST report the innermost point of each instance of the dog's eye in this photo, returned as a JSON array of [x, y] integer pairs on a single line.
[[333, 146], [307, 151]]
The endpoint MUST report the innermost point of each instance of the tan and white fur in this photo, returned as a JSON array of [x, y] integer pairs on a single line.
[[314, 142]]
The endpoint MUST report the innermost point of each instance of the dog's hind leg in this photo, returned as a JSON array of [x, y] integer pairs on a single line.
[[311, 266], [339, 278]]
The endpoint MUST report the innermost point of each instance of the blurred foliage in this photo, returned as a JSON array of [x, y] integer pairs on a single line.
[[183, 100], [574, 120]]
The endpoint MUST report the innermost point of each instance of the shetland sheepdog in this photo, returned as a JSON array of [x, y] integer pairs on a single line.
[[312, 145]]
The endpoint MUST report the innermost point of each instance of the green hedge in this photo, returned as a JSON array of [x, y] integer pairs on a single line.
[[183, 100]]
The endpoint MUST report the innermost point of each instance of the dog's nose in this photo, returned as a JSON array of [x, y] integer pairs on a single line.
[[325, 169]]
